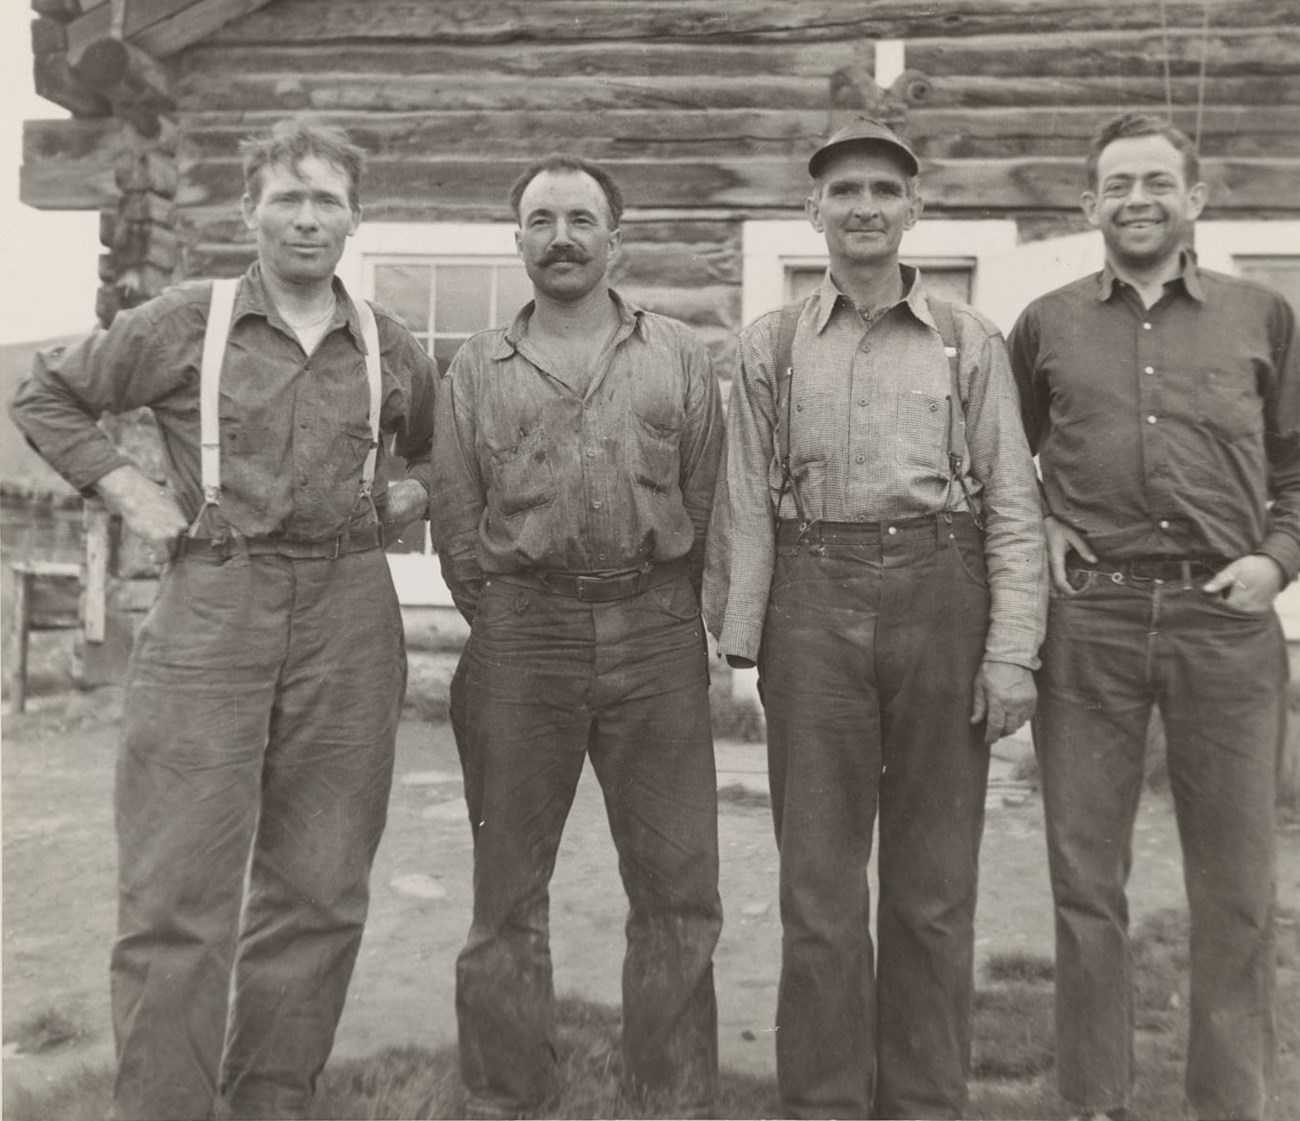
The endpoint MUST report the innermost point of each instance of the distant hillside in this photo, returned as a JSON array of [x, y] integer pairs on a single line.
[[19, 465]]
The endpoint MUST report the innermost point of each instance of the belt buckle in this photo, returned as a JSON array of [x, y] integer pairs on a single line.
[[582, 583]]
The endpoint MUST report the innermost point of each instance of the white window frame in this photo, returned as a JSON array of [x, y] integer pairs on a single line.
[[773, 246], [417, 576]]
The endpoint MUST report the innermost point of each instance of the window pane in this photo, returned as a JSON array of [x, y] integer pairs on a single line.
[[405, 290], [461, 300], [514, 289], [1282, 273], [444, 350]]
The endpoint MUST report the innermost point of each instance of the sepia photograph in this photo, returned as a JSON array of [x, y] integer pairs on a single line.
[[660, 559]]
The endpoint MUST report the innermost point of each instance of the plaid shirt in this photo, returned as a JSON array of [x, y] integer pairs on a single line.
[[294, 426], [869, 425], [529, 474]]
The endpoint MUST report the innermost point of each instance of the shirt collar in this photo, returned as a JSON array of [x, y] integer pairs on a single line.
[[829, 297], [629, 315], [1188, 273], [253, 299]]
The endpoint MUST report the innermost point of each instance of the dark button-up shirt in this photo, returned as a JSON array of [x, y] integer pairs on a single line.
[[869, 441], [1166, 431], [529, 474], [295, 427]]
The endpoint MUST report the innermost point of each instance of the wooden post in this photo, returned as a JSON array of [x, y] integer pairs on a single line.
[[95, 610], [18, 648]]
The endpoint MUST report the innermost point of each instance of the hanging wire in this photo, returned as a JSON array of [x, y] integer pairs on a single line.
[[1164, 40], [1200, 82]]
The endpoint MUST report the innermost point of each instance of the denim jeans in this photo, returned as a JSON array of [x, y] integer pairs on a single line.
[[261, 717], [870, 650], [1113, 650], [547, 681]]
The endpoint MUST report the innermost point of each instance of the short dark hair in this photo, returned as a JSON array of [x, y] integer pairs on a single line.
[[566, 161], [1128, 125], [295, 139]]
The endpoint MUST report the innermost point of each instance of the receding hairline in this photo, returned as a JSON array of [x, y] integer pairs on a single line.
[[867, 147]]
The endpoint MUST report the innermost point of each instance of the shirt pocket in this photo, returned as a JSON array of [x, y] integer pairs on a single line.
[[522, 476], [1228, 403], [657, 452], [921, 430]]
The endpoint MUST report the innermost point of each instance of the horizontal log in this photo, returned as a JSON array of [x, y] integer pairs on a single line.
[[993, 186], [48, 36], [716, 306], [61, 10], [686, 265], [552, 60], [54, 80], [123, 73], [159, 27], [1111, 92], [68, 165], [947, 132], [506, 21], [1254, 53]]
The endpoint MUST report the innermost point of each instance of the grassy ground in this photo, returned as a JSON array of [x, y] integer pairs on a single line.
[[1011, 1070]]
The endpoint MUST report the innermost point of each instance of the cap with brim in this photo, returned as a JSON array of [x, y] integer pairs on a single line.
[[862, 130]]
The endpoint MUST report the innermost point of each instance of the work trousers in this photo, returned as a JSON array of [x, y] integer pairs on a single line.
[[252, 788], [1113, 650], [870, 649], [550, 679]]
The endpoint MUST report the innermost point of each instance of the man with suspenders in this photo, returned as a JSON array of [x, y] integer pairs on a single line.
[[877, 550], [266, 681]]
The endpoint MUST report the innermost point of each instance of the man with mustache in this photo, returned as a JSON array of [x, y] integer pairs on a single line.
[[266, 681], [577, 453], [886, 572], [1163, 401]]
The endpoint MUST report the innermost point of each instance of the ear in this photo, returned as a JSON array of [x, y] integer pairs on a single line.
[[615, 243], [356, 219], [248, 208], [519, 242], [1091, 211], [1197, 197], [812, 208], [915, 205]]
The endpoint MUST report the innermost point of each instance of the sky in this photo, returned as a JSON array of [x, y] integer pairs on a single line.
[[48, 258]]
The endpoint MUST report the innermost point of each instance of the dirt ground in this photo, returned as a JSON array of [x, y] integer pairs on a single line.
[[58, 892]]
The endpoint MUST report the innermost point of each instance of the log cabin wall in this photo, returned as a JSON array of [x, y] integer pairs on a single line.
[[706, 111]]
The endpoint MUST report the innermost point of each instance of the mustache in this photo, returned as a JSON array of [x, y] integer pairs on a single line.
[[564, 253]]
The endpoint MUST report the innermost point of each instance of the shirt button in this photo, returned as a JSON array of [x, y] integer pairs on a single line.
[[1164, 525], [862, 401], [601, 557], [596, 505], [1151, 420], [591, 453], [861, 459], [893, 529], [1146, 326], [1149, 370], [798, 408], [933, 407]]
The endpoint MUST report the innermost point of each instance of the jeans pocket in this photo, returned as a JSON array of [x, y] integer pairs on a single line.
[[970, 559]]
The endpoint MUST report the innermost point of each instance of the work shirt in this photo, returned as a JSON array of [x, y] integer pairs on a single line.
[[295, 427], [529, 474], [1166, 431], [869, 442]]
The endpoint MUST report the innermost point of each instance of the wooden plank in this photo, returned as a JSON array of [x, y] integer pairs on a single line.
[[1112, 92], [54, 80], [505, 21], [946, 132], [161, 27], [96, 539], [434, 188], [122, 73], [68, 165]]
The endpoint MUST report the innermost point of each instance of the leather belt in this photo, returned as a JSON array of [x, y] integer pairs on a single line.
[[597, 587], [1153, 569], [361, 540]]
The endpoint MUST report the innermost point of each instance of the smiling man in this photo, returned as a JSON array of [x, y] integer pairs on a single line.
[[576, 456], [1163, 401], [879, 554], [266, 681]]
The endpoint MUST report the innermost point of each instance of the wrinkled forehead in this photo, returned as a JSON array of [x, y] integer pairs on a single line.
[[309, 172]]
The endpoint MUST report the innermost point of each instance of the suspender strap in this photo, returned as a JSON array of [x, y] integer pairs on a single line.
[[958, 458], [220, 310], [784, 388], [214, 353], [370, 336]]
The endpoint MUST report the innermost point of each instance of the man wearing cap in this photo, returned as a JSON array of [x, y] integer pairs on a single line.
[[266, 681], [1164, 403], [577, 451], [894, 636]]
